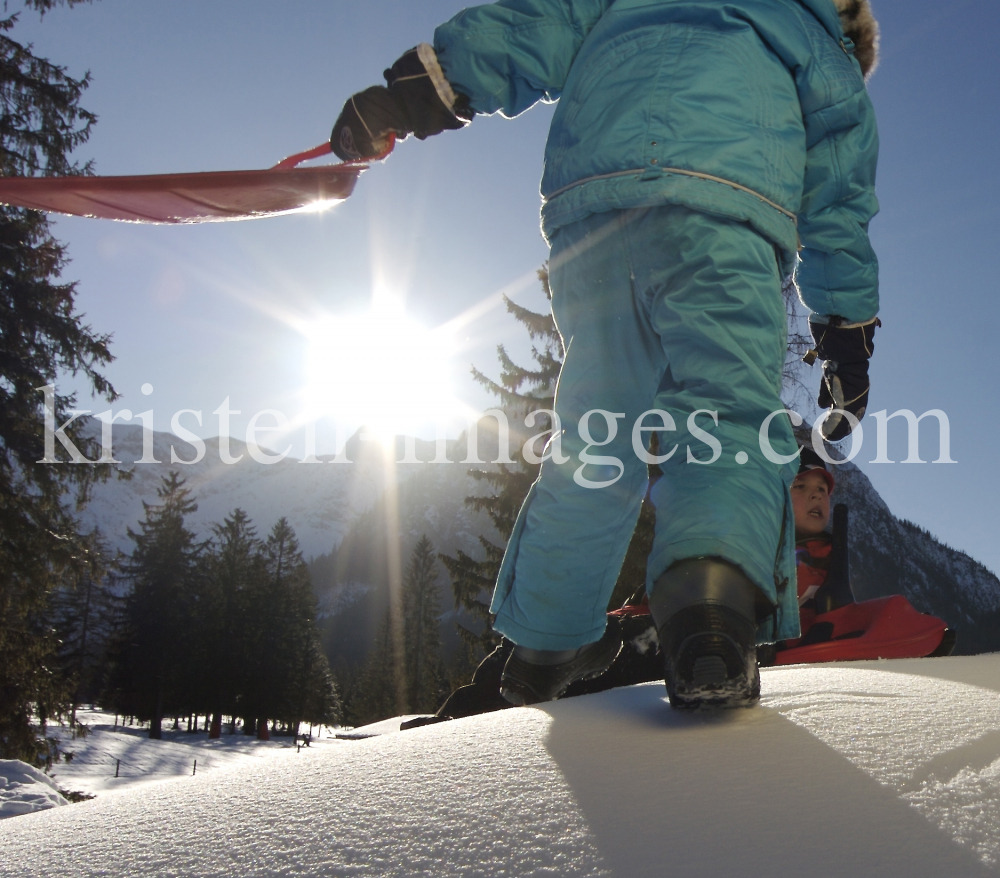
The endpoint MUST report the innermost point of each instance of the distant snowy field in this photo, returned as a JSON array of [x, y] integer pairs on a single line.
[[111, 748], [885, 768]]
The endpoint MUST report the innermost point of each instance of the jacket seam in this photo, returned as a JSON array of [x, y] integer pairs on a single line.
[[681, 171]]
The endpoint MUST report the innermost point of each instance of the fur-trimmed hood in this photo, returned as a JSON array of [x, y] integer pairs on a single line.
[[861, 28]]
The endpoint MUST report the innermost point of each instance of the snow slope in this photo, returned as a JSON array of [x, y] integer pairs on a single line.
[[111, 757], [873, 768]]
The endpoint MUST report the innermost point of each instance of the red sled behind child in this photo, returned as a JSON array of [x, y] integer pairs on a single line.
[[835, 627]]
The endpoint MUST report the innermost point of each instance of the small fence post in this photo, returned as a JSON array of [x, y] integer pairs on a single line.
[[194, 771], [118, 765]]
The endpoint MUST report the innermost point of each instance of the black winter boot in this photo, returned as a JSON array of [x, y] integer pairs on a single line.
[[705, 611], [534, 675]]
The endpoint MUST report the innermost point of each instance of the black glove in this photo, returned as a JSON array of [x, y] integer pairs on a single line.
[[845, 349], [418, 100]]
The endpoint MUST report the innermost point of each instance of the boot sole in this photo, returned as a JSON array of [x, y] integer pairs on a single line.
[[739, 694], [716, 672], [710, 688]]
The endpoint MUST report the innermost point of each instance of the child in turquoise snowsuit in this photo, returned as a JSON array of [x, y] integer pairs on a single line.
[[697, 148], [695, 144]]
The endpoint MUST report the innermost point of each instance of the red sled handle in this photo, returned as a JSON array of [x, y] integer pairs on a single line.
[[324, 149]]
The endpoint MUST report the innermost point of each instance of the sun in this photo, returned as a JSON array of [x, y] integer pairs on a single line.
[[379, 368]]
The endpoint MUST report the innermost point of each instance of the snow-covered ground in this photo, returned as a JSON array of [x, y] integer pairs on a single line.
[[108, 749], [115, 757], [885, 768]]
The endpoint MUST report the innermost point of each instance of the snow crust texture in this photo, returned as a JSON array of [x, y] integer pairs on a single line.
[[877, 768], [24, 789], [935, 742]]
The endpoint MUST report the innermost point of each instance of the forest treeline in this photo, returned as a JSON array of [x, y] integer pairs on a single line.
[[180, 627], [225, 627]]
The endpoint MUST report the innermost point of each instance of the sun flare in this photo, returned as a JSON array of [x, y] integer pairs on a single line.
[[381, 369]]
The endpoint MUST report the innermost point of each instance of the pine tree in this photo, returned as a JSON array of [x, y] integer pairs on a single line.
[[296, 682], [421, 608], [41, 122], [231, 633], [160, 607], [321, 702], [519, 391], [83, 612]]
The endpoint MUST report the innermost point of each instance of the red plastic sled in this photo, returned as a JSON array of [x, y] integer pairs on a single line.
[[192, 198], [882, 628]]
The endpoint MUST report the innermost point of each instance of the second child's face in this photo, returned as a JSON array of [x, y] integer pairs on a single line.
[[811, 504]]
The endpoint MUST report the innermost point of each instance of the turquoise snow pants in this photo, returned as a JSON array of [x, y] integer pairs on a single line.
[[671, 309]]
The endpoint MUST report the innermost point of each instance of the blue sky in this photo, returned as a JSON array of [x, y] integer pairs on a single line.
[[449, 223]]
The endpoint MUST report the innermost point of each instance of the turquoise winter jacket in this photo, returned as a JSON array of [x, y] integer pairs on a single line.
[[754, 110]]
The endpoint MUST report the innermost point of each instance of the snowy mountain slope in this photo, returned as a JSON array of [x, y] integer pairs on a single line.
[[320, 500], [892, 556], [876, 768]]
